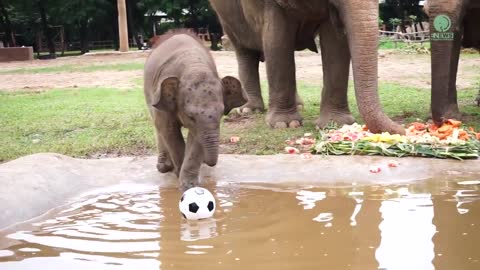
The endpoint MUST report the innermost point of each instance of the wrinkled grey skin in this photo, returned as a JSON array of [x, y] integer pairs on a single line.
[[465, 17], [182, 89], [272, 30]]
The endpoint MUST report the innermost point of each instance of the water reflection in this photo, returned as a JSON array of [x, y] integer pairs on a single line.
[[309, 198], [428, 225], [457, 218], [406, 232]]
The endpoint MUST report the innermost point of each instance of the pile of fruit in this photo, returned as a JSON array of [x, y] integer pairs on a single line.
[[451, 140]]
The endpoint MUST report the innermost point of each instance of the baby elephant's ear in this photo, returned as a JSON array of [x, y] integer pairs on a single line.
[[165, 95], [233, 94]]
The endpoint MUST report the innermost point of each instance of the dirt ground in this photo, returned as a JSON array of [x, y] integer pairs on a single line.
[[411, 70]]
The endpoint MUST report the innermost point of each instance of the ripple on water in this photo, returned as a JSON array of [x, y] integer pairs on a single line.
[[6, 253], [29, 250], [117, 223], [395, 227]]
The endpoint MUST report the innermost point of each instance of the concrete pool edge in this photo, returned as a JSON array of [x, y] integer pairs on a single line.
[[35, 184]]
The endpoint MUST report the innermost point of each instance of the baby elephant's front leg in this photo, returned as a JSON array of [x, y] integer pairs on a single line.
[[192, 162]]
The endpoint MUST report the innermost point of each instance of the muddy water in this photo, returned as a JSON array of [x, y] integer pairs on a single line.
[[427, 225]]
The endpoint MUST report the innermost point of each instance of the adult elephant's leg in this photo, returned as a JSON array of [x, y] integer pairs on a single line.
[[336, 67], [248, 70], [445, 55], [278, 44], [299, 101], [452, 110]]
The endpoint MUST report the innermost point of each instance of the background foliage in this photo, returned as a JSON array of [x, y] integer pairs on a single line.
[[21, 21]]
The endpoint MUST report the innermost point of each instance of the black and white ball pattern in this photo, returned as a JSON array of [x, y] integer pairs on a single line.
[[197, 203]]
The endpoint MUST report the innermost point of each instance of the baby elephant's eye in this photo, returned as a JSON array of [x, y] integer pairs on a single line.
[[191, 118]]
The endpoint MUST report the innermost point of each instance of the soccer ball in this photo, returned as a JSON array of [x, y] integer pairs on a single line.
[[197, 203]]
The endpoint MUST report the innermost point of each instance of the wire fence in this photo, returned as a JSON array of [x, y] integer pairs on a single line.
[[385, 36]]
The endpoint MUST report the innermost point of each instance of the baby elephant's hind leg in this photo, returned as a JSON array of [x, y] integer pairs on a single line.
[[164, 163], [170, 143]]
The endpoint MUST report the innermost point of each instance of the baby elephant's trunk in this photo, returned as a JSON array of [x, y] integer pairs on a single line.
[[210, 140]]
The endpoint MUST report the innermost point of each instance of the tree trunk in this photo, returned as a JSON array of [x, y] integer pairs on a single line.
[[84, 37], [115, 30], [214, 39], [176, 15], [193, 21], [400, 14], [9, 39], [46, 29], [132, 27], [216, 32], [122, 25], [2, 26]]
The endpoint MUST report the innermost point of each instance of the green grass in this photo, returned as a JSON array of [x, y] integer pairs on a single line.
[[403, 104], [469, 55], [79, 123], [114, 67], [389, 45], [420, 48], [87, 122], [403, 47], [72, 68], [78, 52], [62, 68]]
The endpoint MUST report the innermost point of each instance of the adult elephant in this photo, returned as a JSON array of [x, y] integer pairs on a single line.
[[452, 24], [272, 30]]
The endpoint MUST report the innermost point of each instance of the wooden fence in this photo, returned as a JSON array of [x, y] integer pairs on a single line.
[[97, 45], [412, 37]]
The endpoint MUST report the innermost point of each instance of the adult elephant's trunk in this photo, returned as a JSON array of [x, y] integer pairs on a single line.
[[361, 23], [209, 139]]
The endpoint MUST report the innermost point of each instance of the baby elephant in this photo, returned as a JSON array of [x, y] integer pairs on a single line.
[[182, 89]]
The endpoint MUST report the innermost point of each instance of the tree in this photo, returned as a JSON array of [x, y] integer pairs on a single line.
[[136, 20], [82, 16], [86, 20], [6, 25], [394, 22], [194, 14], [413, 20], [214, 28], [173, 9], [122, 25], [46, 28], [401, 9]]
